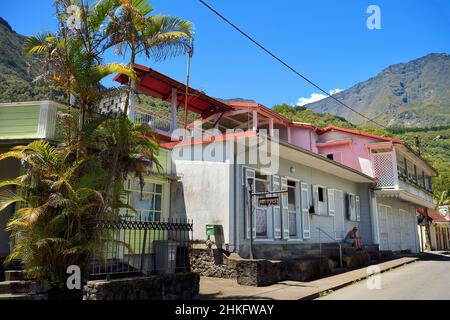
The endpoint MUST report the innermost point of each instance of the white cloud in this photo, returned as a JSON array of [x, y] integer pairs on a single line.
[[316, 97]]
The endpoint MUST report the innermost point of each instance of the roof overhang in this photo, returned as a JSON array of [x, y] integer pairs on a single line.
[[160, 86], [305, 157], [405, 196]]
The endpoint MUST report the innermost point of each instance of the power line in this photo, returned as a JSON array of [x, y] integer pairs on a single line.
[[287, 65]]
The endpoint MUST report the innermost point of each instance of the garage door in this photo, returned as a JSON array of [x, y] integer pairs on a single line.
[[396, 229]]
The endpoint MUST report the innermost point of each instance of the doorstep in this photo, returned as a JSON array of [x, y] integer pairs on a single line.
[[228, 289]]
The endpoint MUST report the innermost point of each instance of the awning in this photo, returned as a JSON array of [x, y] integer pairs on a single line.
[[157, 85]]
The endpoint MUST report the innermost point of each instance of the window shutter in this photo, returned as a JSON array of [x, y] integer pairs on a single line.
[[347, 206], [305, 211], [249, 174], [276, 211], [331, 203], [316, 199], [357, 208], [285, 209]]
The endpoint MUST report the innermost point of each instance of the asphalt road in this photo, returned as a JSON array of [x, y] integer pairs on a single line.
[[421, 280]]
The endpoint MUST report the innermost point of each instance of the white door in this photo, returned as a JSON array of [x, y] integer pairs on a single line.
[[383, 213], [339, 217], [395, 231], [406, 230]]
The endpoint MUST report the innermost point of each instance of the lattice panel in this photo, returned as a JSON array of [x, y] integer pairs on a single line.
[[383, 169]]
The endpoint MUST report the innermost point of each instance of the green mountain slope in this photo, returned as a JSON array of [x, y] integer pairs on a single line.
[[413, 94], [16, 80]]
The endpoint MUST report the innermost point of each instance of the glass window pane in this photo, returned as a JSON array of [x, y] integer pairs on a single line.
[[158, 188], [292, 224], [261, 222]]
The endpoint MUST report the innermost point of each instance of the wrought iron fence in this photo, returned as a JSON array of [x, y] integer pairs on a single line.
[[137, 247]]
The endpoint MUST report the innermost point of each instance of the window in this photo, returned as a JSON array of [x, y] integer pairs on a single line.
[[148, 203], [401, 165], [321, 197], [330, 156], [320, 200], [261, 185], [353, 207], [292, 207]]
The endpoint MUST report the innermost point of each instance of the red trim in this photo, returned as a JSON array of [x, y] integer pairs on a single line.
[[333, 143], [359, 133], [222, 137]]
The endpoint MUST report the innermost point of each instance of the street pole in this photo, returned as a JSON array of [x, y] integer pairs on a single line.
[[250, 219]]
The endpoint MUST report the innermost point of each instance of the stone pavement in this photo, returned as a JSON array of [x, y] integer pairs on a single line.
[[228, 289]]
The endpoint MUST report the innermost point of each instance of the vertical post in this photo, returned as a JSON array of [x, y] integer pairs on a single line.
[[173, 124], [188, 68], [340, 255], [255, 120], [131, 109], [250, 212], [271, 127], [141, 267]]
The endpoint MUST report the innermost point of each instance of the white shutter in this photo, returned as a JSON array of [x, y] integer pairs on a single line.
[[315, 195], [249, 174], [351, 207], [276, 210], [331, 203], [284, 208], [305, 211], [357, 208]]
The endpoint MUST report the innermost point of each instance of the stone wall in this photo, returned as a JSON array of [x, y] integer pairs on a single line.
[[267, 272], [213, 263], [179, 286]]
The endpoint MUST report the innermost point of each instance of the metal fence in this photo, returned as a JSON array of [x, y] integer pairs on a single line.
[[134, 247]]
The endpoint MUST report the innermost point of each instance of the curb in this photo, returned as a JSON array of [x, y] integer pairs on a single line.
[[346, 284]]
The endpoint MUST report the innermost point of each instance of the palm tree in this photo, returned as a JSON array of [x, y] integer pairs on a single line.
[[130, 28], [73, 58], [53, 226]]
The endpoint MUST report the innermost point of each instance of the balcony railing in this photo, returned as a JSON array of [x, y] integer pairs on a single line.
[[154, 120]]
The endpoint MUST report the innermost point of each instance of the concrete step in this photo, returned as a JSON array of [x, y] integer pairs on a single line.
[[21, 287], [15, 275]]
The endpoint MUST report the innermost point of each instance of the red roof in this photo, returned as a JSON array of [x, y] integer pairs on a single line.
[[360, 133], [437, 217], [160, 86]]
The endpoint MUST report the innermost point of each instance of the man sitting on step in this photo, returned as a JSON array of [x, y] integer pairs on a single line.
[[352, 239]]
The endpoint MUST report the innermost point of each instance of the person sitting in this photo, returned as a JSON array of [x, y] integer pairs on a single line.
[[352, 239]]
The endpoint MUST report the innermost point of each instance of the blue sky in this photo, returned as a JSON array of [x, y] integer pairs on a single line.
[[326, 40]]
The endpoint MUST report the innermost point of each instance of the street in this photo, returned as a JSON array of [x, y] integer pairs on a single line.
[[421, 280]]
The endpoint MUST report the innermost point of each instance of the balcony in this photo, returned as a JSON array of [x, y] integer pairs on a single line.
[[392, 181], [154, 120]]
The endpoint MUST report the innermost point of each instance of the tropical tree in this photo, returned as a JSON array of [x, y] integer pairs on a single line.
[[53, 226], [66, 188], [442, 199], [131, 30]]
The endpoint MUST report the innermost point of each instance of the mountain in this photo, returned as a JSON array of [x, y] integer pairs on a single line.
[[16, 78], [413, 94]]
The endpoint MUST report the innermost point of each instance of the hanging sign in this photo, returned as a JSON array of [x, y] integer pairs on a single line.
[[268, 201]]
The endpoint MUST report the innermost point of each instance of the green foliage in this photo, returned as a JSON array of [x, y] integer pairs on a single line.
[[64, 189], [301, 114]]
